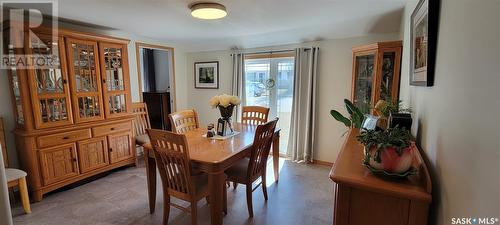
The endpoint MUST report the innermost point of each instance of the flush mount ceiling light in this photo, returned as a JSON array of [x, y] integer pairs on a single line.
[[208, 11]]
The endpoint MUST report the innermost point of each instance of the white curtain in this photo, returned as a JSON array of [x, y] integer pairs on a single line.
[[238, 88], [301, 141]]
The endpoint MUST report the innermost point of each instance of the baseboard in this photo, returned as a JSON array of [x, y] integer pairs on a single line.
[[322, 163]]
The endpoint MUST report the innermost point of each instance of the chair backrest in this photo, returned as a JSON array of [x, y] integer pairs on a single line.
[[184, 121], [172, 158], [255, 115], [260, 148], [141, 121], [3, 143]]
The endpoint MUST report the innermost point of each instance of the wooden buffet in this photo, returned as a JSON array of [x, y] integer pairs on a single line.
[[362, 198], [73, 118]]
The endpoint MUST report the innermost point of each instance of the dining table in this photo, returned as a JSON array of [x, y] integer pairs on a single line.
[[213, 156]]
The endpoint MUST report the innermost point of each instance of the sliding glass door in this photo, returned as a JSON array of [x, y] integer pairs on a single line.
[[269, 82]]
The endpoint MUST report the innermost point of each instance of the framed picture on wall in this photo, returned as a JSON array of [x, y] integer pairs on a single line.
[[423, 42], [206, 75]]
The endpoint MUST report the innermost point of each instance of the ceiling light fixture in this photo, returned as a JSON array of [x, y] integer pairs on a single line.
[[208, 11]]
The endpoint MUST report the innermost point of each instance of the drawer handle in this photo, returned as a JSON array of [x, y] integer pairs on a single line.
[[65, 138], [112, 128], [110, 150], [74, 159]]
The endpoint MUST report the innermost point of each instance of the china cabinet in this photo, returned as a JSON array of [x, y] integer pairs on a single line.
[[73, 116], [376, 71]]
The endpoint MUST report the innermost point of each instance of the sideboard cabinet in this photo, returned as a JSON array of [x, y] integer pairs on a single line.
[[73, 117]]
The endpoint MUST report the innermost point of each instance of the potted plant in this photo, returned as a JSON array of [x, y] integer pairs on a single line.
[[389, 151], [355, 115]]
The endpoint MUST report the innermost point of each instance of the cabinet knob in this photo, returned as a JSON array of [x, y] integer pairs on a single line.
[[74, 159], [65, 81], [65, 138], [104, 81], [110, 150]]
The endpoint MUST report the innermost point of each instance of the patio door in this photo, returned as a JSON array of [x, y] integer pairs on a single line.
[[269, 82]]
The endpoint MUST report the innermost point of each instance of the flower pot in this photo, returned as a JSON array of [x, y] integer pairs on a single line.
[[390, 160]]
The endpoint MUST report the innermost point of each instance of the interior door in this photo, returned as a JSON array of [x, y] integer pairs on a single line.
[[49, 85], [269, 82], [117, 100], [85, 80]]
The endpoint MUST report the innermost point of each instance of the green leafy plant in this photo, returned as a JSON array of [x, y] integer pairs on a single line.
[[355, 115], [386, 107], [398, 138]]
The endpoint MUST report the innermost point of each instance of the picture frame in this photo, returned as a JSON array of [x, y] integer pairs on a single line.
[[423, 42], [206, 75]]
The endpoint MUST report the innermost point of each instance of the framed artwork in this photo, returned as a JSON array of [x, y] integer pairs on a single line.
[[423, 42], [206, 75]]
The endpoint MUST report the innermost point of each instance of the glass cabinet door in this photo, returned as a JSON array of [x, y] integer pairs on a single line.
[[115, 79], [49, 86], [363, 82], [85, 79], [388, 84]]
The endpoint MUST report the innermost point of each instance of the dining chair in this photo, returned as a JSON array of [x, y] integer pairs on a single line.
[[141, 123], [15, 177], [255, 115], [171, 153], [184, 121], [248, 170]]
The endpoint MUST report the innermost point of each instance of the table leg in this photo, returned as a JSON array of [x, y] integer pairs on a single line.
[[151, 179], [216, 183], [276, 156]]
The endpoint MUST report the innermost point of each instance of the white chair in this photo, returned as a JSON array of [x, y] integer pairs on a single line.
[[14, 177]]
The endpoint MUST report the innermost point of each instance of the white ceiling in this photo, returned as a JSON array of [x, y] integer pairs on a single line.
[[250, 23]]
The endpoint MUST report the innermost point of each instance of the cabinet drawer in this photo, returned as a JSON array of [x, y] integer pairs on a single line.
[[62, 138], [112, 128]]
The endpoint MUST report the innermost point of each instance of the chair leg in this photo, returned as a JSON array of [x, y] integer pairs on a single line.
[[194, 214], [25, 199], [249, 200], [224, 196], [264, 186], [166, 208]]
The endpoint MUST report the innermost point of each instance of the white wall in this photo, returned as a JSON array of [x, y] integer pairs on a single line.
[[334, 84], [457, 120], [180, 73]]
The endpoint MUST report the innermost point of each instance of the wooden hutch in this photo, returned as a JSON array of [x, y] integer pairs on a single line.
[[362, 198], [74, 117], [375, 74]]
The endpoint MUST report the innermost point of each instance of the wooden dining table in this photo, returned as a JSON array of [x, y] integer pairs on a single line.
[[213, 157]]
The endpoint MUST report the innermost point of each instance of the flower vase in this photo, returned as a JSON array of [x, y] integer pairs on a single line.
[[226, 114]]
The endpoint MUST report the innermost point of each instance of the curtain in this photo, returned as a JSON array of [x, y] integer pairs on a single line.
[[149, 70], [301, 141], [238, 88]]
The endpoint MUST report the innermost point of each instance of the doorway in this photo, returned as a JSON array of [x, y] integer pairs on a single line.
[[156, 71], [269, 82]]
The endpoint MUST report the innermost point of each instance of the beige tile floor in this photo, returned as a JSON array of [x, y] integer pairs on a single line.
[[304, 195]]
